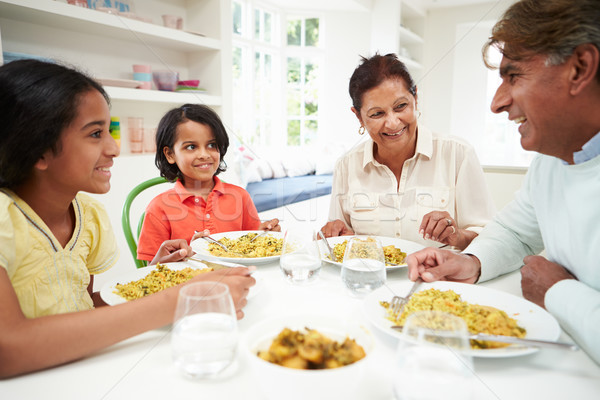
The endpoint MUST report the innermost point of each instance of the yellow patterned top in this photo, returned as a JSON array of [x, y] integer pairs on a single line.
[[47, 278]]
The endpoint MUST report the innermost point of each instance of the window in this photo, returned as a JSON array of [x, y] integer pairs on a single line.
[[494, 137], [255, 65], [302, 80], [275, 80]]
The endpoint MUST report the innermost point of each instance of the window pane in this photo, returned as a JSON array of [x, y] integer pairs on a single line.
[[311, 71], [294, 29], [312, 32], [268, 27], [257, 66], [310, 131], [293, 102], [293, 70], [311, 106], [257, 24], [237, 18], [311, 93], [268, 67], [293, 133], [237, 63]]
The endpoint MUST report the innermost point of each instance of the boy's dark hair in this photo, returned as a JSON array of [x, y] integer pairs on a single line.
[[38, 100], [166, 134]]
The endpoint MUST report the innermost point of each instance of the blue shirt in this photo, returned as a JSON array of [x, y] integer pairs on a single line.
[[589, 150]]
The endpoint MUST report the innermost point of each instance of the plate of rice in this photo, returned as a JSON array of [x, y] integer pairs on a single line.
[[395, 250], [148, 280], [265, 249], [483, 309]]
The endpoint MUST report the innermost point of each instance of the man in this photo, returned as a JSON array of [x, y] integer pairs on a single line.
[[551, 88]]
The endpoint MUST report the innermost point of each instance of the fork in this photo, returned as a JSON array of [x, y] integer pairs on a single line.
[[221, 245], [398, 303], [259, 235], [322, 236]]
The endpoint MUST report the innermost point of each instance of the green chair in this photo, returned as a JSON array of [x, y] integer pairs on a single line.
[[125, 221]]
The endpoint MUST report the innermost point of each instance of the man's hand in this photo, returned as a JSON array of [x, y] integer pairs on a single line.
[[172, 251], [433, 264], [336, 228], [538, 275]]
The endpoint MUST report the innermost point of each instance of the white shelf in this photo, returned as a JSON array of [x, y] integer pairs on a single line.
[[58, 15], [156, 96], [411, 9], [409, 37], [410, 63]]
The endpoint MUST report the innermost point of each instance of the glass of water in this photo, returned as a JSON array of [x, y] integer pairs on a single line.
[[300, 256], [432, 360], [205, 333], [363, 267]]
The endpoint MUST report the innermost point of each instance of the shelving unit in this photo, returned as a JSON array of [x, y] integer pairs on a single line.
[[107, 45], [410, 31]]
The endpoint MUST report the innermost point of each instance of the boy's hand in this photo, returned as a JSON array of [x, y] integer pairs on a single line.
[[272, 225], [172, 251]]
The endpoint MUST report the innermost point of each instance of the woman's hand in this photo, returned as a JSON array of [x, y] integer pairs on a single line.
[[172, 251], [336, 228], [441, 227], [272, 225]]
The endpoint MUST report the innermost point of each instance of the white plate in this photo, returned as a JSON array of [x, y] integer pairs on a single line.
[[537, 321], [200, 246], [404, 245], [126, 83], [111, 298]]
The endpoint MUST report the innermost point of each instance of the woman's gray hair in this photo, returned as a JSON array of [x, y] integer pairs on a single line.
[[549, 27]]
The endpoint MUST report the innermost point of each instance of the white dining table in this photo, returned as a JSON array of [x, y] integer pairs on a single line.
[[141, 367]]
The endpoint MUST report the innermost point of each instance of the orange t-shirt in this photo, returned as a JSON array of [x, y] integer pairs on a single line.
[[177, 214]]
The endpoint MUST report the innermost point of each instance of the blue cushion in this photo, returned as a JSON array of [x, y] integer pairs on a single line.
[[279, 192]]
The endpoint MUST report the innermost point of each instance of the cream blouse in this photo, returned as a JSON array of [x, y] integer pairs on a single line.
[[444, 174]]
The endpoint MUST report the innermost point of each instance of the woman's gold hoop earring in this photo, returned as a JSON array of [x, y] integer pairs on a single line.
[[361, 130]]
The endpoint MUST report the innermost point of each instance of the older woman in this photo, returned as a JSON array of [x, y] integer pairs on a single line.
[[404, 182]]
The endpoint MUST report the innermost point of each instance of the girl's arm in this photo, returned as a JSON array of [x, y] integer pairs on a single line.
[[30, 344]]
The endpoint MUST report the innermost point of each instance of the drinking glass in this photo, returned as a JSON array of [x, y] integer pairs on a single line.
[[363, 267], [431, 361], [300, 256], [205, 332]]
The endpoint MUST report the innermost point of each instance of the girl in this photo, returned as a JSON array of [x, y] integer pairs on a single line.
[[54, 143], [191, 142]]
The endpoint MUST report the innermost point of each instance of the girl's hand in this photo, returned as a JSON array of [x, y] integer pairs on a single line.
[[172, 251], [441, 227], [272, 225], [197, 235], [238, 279], [336, 228]]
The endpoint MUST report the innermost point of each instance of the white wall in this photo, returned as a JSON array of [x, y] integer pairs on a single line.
[[347, 38], [440, 51]]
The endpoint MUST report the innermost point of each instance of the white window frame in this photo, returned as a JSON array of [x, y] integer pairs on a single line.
[[245, 127], [304, 53]]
